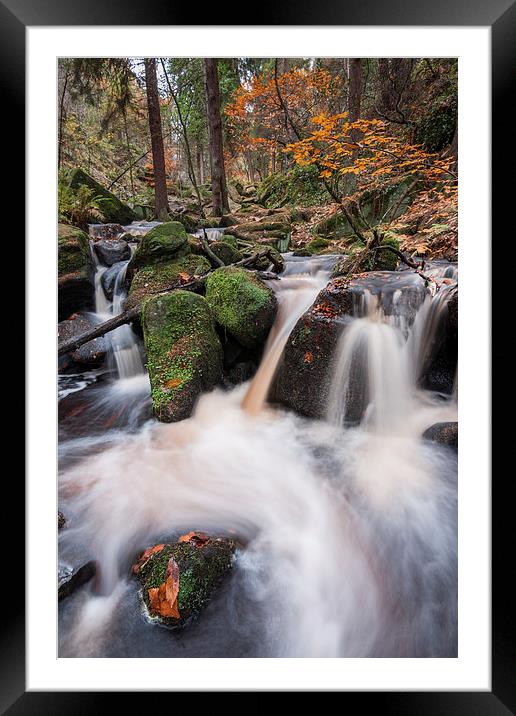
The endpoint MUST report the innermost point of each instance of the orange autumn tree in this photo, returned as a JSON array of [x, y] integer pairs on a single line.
[[256, 119], [377, 159]]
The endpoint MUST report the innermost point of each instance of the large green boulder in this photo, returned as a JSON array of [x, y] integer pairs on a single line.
[[178, 579], [113, 209], [155, 278], [75, 271], [242, 304], [184, 355], [163, 243]]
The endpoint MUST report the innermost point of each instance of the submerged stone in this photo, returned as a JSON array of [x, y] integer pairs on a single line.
[[242, 304], [444, 433], [184, 354], [177, 580]]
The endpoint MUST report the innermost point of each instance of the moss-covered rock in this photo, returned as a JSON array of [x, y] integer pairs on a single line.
[[242, 304], [226, 251], [303, 378], [387, 260], [113, 208], [152, 279], [163, 243], [317, 245], [177, 580], [75, 271], [184, 355], [274, 230]]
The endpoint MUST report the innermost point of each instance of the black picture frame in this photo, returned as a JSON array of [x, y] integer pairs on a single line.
[[500, 15]]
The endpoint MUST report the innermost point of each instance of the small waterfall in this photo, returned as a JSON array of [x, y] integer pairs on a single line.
[[211, 234], [124, 353], [382, 352], [296, 291]]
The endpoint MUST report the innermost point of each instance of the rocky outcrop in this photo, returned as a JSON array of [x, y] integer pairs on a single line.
[[163, 243], [303, 378], [242, 304], [75, 271], [91, 353], [177, 580], [112, 251], [184, 355], [274, 230], [112, 208]]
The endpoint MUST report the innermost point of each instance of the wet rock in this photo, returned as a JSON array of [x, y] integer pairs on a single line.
[[226, 251], [113, 208], [108, 278], [112, 251], [75, 284], [177, 580], [242, 304], [316, 245], [91, 353], [303, 378], [439, 375], [70, 578], [105, 231], [241, 372], [152, 279], [184, 354], [60, 520], [444, 433], [163, 243]]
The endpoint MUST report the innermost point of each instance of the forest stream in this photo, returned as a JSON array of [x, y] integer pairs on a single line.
[[345, 527]]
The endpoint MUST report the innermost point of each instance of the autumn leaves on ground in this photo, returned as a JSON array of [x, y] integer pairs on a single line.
[[354, 159]]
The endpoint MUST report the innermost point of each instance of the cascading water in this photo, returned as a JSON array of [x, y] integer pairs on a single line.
[[348, 534], [211, 234]]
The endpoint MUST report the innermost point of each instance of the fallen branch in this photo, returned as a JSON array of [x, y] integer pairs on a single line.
[[130, 315], [73, 343], [407, 261]]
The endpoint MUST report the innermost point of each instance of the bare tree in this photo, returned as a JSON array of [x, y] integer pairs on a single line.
[[156, 134]]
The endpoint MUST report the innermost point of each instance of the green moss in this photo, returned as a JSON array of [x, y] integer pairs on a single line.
[[73, 251], [162, 244], [317, 245], [242, 304], [300, 186], [225, 251], [154, 278], [184, 355], [387, 260], [200, 570], [113, 208]]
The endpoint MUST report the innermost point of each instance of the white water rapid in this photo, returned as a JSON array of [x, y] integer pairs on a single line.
[[347, 533]]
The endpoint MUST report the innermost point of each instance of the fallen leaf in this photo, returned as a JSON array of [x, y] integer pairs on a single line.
[[173, 383], [197, 538], [145, 557]]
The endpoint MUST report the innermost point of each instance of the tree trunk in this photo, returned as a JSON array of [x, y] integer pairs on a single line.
[[218, 173], [158, 153], [62, 118], [355, 89]]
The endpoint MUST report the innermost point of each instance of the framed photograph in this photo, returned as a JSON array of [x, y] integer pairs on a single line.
[[246, 362]]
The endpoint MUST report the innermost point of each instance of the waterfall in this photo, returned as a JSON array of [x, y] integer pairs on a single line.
[[347, 536], [211, 234], [124, 352]]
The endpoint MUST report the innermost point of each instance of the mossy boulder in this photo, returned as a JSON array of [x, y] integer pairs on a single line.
[[226, 251], [242, 304], [317, 245], [177, 580], [184, 354], [303, 378], [113, 208], [75, 271], [387, 260], [161, 244], [152, 279], [274, 230]]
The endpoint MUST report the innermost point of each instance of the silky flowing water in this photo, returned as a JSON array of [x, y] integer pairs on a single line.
[[347, 532]]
